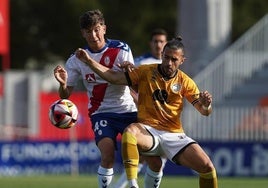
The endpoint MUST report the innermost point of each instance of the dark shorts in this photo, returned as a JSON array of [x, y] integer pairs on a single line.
[[111, 124]]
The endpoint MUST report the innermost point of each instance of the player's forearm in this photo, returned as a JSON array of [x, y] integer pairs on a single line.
[[107, 74], [64, 92], [104, 72], [204, 109]]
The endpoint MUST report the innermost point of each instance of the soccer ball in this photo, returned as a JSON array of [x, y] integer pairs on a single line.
[[63, 114]]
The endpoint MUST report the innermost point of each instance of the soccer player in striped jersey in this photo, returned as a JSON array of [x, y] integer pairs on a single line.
[[111, 107], [159, 131]]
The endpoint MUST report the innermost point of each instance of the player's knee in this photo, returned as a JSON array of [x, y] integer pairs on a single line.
[[207, 167], [132, 129], [107, 159], [107, 148]]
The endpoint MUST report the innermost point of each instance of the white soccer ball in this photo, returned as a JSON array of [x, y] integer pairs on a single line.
[[63, 114]]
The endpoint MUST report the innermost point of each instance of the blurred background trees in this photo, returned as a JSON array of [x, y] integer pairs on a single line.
[[46, 31]]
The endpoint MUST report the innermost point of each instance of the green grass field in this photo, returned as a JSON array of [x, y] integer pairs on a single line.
[[84, 181]]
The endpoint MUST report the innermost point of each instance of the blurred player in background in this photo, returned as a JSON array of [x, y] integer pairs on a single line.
[[111, 107], [159, 131], [158, 39]]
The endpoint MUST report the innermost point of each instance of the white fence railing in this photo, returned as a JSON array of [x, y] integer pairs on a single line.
[[227, 124], [237, 63], [230, 69]]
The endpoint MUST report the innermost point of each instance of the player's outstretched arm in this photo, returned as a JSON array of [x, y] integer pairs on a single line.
[[111, 76], [204, 103], [61, 76]]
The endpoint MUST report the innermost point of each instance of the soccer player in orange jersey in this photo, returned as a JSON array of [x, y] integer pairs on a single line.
[[158, 39], [159, 131]]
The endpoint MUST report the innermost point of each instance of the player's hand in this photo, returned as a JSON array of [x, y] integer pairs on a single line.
[[82, 55], [205, 98], [126, 66], [60, 74]]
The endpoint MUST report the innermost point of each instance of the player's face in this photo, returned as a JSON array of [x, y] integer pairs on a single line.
[[157, 44], [95, 36], [171, 60]]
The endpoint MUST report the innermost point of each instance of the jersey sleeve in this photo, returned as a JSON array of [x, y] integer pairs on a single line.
[[73, 72], [125, 53], [191, 90]]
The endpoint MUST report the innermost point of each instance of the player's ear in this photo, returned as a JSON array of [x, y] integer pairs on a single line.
[[182, 61], [104, 29]]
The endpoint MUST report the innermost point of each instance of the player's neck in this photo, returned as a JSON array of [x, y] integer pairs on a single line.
[[165, 77]]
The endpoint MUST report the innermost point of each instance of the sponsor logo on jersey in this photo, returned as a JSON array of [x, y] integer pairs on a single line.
[[90, 77]]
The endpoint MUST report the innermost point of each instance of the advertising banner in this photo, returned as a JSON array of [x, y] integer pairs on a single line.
[[4, 26], [16, 158], [29, 158], [232, 159]]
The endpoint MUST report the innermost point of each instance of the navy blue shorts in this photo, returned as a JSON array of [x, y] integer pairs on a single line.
[[111, 124]]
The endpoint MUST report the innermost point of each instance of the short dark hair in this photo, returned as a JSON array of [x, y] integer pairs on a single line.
[[159, 31], [175, 43], [91, 18]]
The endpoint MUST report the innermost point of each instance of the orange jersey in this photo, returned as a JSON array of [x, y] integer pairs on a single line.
[[161, 101]]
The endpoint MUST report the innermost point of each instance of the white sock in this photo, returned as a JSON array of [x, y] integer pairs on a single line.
[[152, 179], [133, 183], [140, 167], [105, 176], [122, 181]]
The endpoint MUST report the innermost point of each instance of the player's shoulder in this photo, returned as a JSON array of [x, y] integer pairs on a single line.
[[147, 68], [185, 78], [71, 58], [112, 43]]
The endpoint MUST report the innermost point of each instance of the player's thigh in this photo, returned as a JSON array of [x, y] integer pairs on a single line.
[[143, 137], [194, 157]]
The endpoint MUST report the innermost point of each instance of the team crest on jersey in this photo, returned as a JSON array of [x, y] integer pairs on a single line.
[[107, 61], [175, 88], [90, 77]]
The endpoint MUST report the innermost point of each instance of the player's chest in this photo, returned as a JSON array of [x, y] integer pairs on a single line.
[[168, 91]]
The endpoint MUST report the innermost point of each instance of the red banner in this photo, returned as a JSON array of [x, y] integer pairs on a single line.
[[4, 27]]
